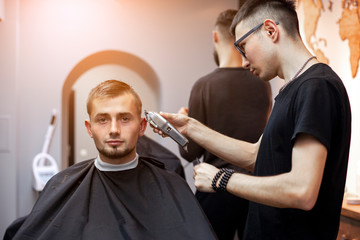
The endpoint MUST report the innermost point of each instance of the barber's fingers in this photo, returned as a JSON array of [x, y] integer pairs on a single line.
[[168, 116], [203, 176], [184, 110], [179, 121], [205, 167], [156, 130]]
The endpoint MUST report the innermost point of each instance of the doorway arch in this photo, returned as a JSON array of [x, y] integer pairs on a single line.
[[123, 59]]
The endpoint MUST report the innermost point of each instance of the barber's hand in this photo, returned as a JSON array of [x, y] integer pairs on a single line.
[[179, 121], [184, 110], [203, 176]]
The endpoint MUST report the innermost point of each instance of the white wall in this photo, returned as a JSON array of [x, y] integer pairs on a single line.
[[8, 116], [42, 40]]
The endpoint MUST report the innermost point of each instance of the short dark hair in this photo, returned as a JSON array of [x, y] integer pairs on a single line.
[[224, 21], [253, 12]]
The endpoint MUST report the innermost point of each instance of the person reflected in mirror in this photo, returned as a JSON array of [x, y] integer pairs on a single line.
[[300, 161], [236, 103]]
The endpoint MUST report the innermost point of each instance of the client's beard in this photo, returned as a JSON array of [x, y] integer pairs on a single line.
[[115, 153]]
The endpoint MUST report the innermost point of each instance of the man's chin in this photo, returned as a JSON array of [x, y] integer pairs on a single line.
[[265, 78], [115, 153]]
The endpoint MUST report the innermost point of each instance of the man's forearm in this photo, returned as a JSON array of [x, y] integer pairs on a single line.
[[273, 191], [235, 151], [298, 188]]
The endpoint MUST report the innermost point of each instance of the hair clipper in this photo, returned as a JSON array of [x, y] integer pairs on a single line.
[[157, 121]]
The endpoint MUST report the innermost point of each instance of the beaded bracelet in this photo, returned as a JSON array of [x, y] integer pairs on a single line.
[[216, 178], [225, 179]]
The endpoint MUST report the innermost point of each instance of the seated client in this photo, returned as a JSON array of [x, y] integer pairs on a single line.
[[118, 195]]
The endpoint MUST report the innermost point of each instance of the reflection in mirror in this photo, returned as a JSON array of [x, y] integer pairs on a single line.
[[76, 143], [84, 147]]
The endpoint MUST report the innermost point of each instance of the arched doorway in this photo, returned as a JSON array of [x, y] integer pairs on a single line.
[[98, 67]]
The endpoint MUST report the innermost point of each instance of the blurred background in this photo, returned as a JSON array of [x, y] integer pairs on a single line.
[[53, 52]]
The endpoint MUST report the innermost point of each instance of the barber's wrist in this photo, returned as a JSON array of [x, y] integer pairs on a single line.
[[192, 127], [197, 131], [221, 179]]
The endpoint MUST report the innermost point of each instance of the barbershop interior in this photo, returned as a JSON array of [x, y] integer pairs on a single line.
[[52, 53]]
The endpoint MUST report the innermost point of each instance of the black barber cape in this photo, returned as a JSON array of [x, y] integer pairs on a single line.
[[146, 202], [148, 148]]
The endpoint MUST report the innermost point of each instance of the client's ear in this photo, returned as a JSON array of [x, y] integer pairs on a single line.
[[143, 125], [88, 128]]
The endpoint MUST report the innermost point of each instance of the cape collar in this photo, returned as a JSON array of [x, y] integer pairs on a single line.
[[108, 167]]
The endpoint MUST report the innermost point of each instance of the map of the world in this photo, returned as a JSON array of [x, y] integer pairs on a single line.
[[347, 29], [331, 30]]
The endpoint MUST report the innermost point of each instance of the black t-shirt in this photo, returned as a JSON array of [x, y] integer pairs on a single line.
[[231, 101], [316, 103]]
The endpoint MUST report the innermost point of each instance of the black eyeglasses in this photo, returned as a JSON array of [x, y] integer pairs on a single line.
[[245, 36]]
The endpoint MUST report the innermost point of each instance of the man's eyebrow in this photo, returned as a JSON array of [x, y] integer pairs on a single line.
[[120, 114], [101, 114], [124, 114]]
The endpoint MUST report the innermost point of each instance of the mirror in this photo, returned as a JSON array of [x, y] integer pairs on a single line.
[[76, 143]]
